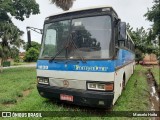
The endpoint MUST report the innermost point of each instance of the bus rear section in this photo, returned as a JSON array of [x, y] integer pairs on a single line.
[[88, 84]]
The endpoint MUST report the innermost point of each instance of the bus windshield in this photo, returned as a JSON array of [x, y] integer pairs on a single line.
[[91, 35]]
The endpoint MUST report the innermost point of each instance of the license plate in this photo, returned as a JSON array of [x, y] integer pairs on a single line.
[[66, 97]]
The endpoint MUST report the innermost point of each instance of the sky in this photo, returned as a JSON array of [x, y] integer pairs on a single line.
[[130, 11]]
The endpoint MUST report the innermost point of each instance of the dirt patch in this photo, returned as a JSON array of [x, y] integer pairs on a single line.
[[8, 104], [140, 73], [26, 93]]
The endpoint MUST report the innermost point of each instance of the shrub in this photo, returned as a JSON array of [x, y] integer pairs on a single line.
[[31, 55], [139, 55]]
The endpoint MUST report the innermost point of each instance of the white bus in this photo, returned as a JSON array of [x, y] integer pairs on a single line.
[[86, 57]]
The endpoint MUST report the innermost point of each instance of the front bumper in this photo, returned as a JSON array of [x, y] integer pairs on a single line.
[[80, 97]]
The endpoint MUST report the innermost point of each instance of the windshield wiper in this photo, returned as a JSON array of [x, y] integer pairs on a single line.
[[59, 52], [75, 47], [69, 42]]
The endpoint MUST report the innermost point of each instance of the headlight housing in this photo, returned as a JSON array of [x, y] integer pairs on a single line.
[[108, 86], [42, 80]]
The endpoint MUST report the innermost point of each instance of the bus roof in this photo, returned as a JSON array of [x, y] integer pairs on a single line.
[[83, 9]]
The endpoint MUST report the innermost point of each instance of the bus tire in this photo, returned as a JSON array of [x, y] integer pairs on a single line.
[[123, 82]]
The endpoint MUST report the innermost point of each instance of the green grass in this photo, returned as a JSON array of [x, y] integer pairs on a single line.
[[13, 82], [18, 63], [21, 63], [156, 73]]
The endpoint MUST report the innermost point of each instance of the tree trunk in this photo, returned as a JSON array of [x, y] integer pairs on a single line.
[[1, 65]]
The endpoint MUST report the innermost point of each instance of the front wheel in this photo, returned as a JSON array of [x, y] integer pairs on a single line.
[[123, 82], [123, 85]]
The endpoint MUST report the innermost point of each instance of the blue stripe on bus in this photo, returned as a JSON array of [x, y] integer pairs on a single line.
[[124, 57], [90, 66]]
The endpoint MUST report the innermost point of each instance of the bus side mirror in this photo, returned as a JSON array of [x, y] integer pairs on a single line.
[[122, 34]]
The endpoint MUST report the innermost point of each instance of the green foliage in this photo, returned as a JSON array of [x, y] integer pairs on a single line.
[[139, 37], [145, 41], [10, 40], [9, 33], [34, 44], [139, 55], [64, 4], [156, 51], [15, 53], [31, 55], [32, 52], [153, 15], [17, 8]]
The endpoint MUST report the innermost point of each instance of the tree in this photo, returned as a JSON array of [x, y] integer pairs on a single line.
[[17, 8], [64, 4], [139, 37], [153, 15], [9, 39], [10, 34], [144, 41], [31, 55], [14, 53], [156, 52]]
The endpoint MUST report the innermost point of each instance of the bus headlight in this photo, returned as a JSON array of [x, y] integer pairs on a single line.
[[43, 80], [92, 85], [100, 86]]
